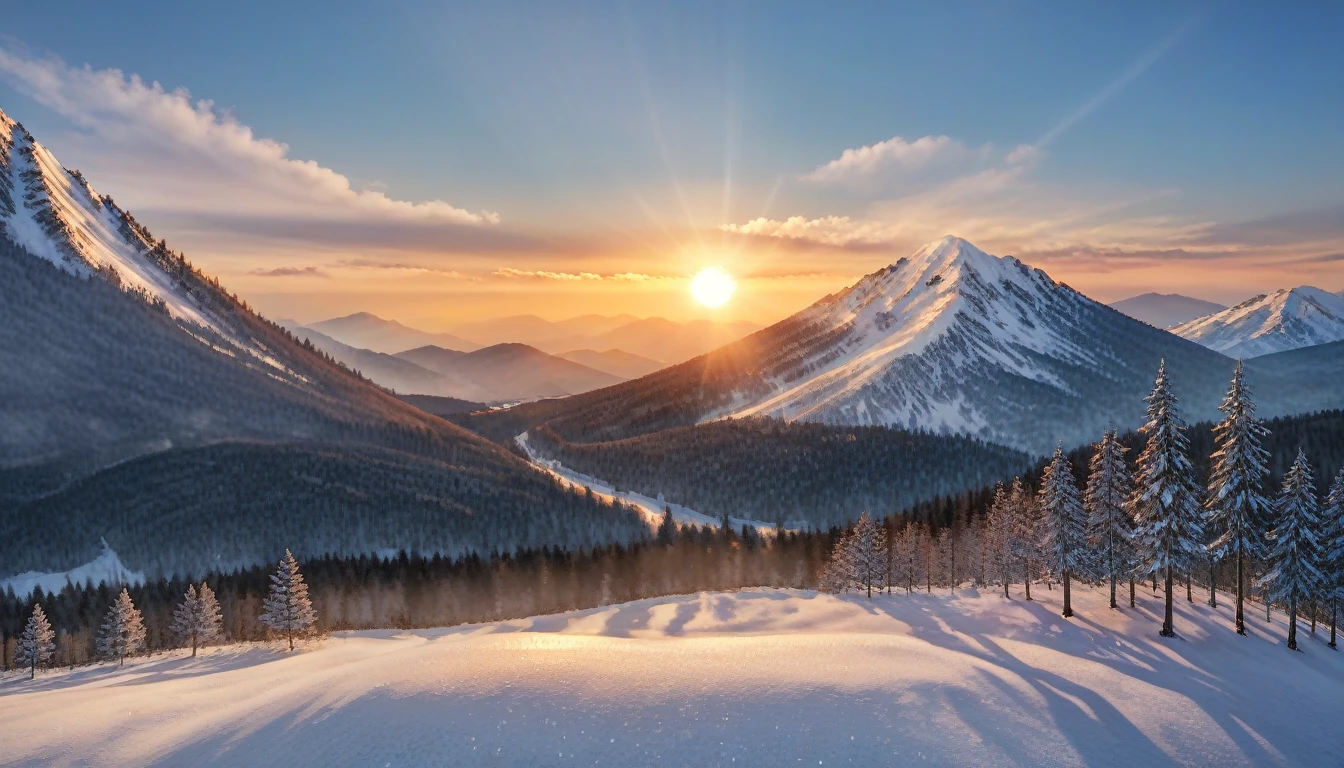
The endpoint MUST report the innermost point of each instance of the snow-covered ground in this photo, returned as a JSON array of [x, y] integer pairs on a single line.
[[107, 567], [756, 678], [650, 508]]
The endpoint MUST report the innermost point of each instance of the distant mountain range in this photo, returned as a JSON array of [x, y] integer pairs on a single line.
[[512, 371], [1290, 318], [645, 342], [617, 362], [1164, 310], [142, 403], [950, 339]]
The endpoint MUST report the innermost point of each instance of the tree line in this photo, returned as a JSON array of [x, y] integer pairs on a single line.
[[1154, 520]]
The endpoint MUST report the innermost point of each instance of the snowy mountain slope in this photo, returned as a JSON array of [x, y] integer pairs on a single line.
[[1163, 310], [1287, 319], [950, 339], [752, 678], [141, 401]]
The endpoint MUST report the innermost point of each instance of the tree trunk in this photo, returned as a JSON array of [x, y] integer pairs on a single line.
[[193, 645], [1292, 623], [1312, 608], [1189, 593], [1027, 581], [1167, 628], [1112, 589], [1068, 604], [1131, 591], [291, 639], [1154, 583], [1213, 586], [1005, 587], [32, 672], [1241, 595], [1334, 610]]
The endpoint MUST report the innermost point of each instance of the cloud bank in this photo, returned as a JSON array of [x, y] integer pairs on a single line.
[[172, 153]]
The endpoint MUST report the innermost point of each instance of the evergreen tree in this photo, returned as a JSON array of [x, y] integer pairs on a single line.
[[868, 554], [1025, 536], [1293, 573], [36, 643], [1000, 532], [1109, 528], [1332, 550], [1063, 524], [123, 630], [197, 619], [1236, 506], [287, 608], [1168, 530]]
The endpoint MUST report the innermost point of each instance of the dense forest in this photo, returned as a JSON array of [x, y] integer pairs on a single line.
[[802, 475], [191, 510]]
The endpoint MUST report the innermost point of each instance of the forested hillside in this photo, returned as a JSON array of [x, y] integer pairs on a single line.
[[802, 475], [188, 511]]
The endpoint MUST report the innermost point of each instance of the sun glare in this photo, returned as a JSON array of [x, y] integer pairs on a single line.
[[713, 287]]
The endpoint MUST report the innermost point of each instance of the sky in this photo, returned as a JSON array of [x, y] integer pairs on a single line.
[[444, 163]]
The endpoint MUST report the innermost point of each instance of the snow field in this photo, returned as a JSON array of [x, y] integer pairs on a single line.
[[758, 677]]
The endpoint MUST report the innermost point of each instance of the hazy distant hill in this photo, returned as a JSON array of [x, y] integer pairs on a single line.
[[1164, 310], [393, 372], [665, 341], [614, 361], [368, 331], [512, 371]]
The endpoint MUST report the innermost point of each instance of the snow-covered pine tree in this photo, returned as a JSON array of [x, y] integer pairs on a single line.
[[1026, 536], [867, 546], [1063, 524], [197, 619], [1000, 529], [1236, 507], [36, 643], [1332, 550], [1293, 575], [1109, 528], [287, 608], [123, 630], [838, 573], [1168, 529]]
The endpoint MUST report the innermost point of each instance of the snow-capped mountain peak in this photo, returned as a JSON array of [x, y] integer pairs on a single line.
[[1287, 319], [950, 304], [54, 213]]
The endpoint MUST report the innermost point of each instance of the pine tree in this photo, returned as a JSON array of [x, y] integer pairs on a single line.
[[1025, 536], [867, 547], [197, 619], [287, 608], [123, 630], [1168, 530], [1109, 528], [36, 643], [1293, 573], [1332, 550], [1000, 533], [1063, 524], [1236, 506]]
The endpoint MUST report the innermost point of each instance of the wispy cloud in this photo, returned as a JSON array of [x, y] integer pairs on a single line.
[[174, 153], [290, 272], [531, 274], [897, 155]]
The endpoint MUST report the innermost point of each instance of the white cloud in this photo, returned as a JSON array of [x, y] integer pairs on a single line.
[[896, 154], [167, 152]]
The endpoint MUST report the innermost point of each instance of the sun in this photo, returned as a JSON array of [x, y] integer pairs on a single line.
[[713, 287]]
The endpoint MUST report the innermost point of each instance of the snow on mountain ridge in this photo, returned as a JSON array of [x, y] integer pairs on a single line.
[[1289, 318], [987, 305], [56, 214]]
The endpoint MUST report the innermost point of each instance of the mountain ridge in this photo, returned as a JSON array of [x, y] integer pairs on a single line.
[[1286, 319]]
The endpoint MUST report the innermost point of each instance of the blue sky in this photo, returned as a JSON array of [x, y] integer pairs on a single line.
[[645, 139]]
